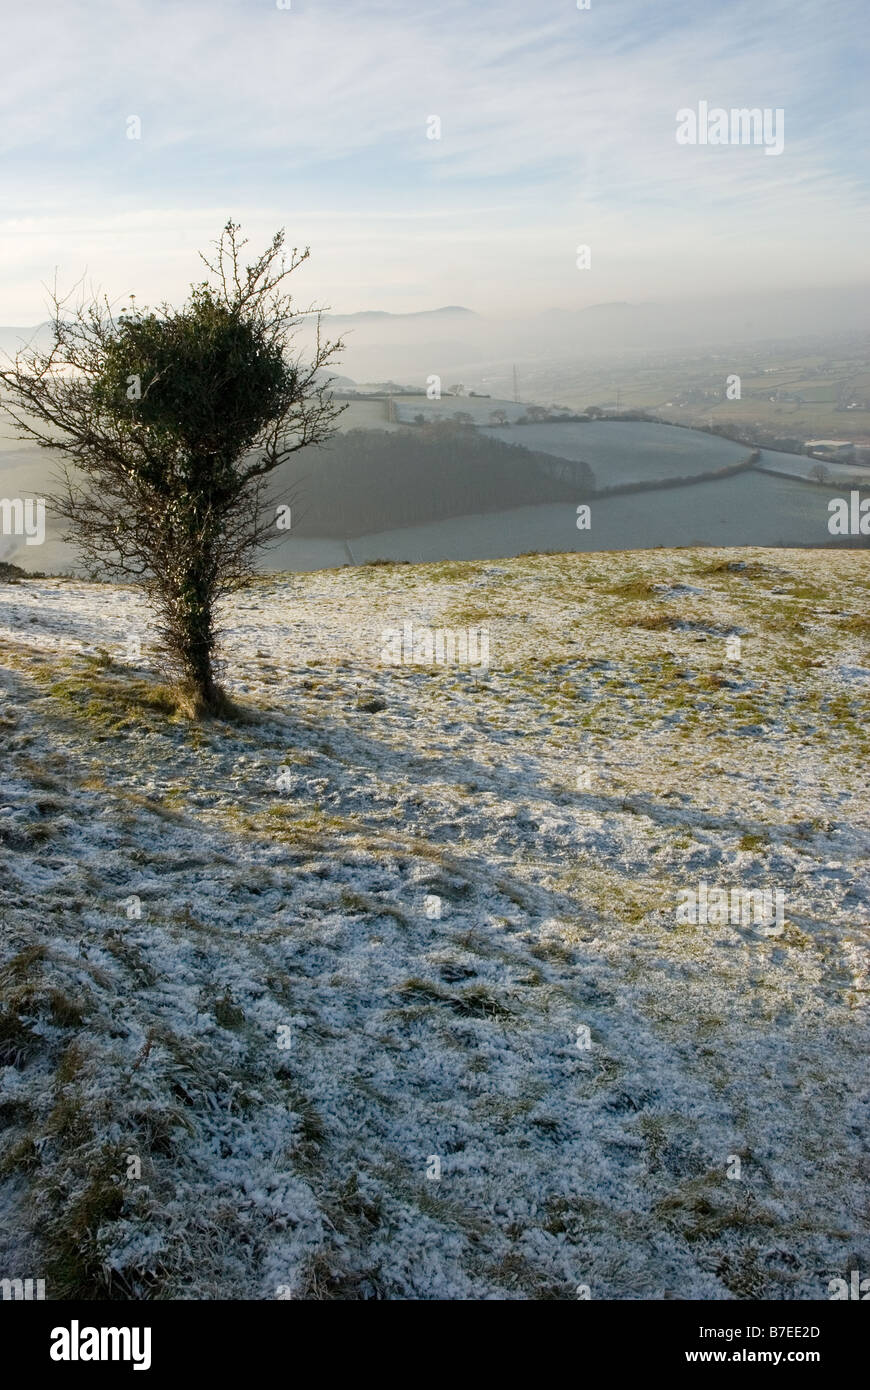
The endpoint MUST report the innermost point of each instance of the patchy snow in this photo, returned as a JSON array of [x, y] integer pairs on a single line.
[[288, 1037]]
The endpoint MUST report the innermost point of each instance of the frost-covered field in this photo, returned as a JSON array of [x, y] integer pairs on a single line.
[[838, 475], [628, 451], [250, 1087]]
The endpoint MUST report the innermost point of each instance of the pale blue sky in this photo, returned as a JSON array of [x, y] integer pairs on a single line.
[[557, 129]]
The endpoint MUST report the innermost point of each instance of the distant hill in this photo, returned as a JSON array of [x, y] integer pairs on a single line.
[[13, 339], [371, 315], [609, 306]]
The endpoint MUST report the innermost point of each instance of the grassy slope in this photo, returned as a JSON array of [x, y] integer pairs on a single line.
[[303, 907]]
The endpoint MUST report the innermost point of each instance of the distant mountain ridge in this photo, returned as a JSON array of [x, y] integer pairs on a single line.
[[446, 311], [12, 338]]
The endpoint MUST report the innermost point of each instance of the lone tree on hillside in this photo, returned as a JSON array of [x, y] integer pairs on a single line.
[[172, 420]]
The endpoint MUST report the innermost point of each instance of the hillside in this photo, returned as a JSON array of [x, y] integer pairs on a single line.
[[285, 1040], [369, 480]]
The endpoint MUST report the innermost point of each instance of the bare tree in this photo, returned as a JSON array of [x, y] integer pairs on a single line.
[[171, 421]]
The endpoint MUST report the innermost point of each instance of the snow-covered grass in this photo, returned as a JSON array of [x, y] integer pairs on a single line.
[[286, 1040]]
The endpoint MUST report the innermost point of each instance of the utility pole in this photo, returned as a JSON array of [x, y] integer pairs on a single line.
[[516, 388]]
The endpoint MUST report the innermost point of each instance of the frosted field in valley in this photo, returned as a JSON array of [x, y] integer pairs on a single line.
[[624, 451], [750, 508], [554, 1084], [838, 475]]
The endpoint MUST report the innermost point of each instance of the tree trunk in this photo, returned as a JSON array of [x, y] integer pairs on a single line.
[[193, 634]]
